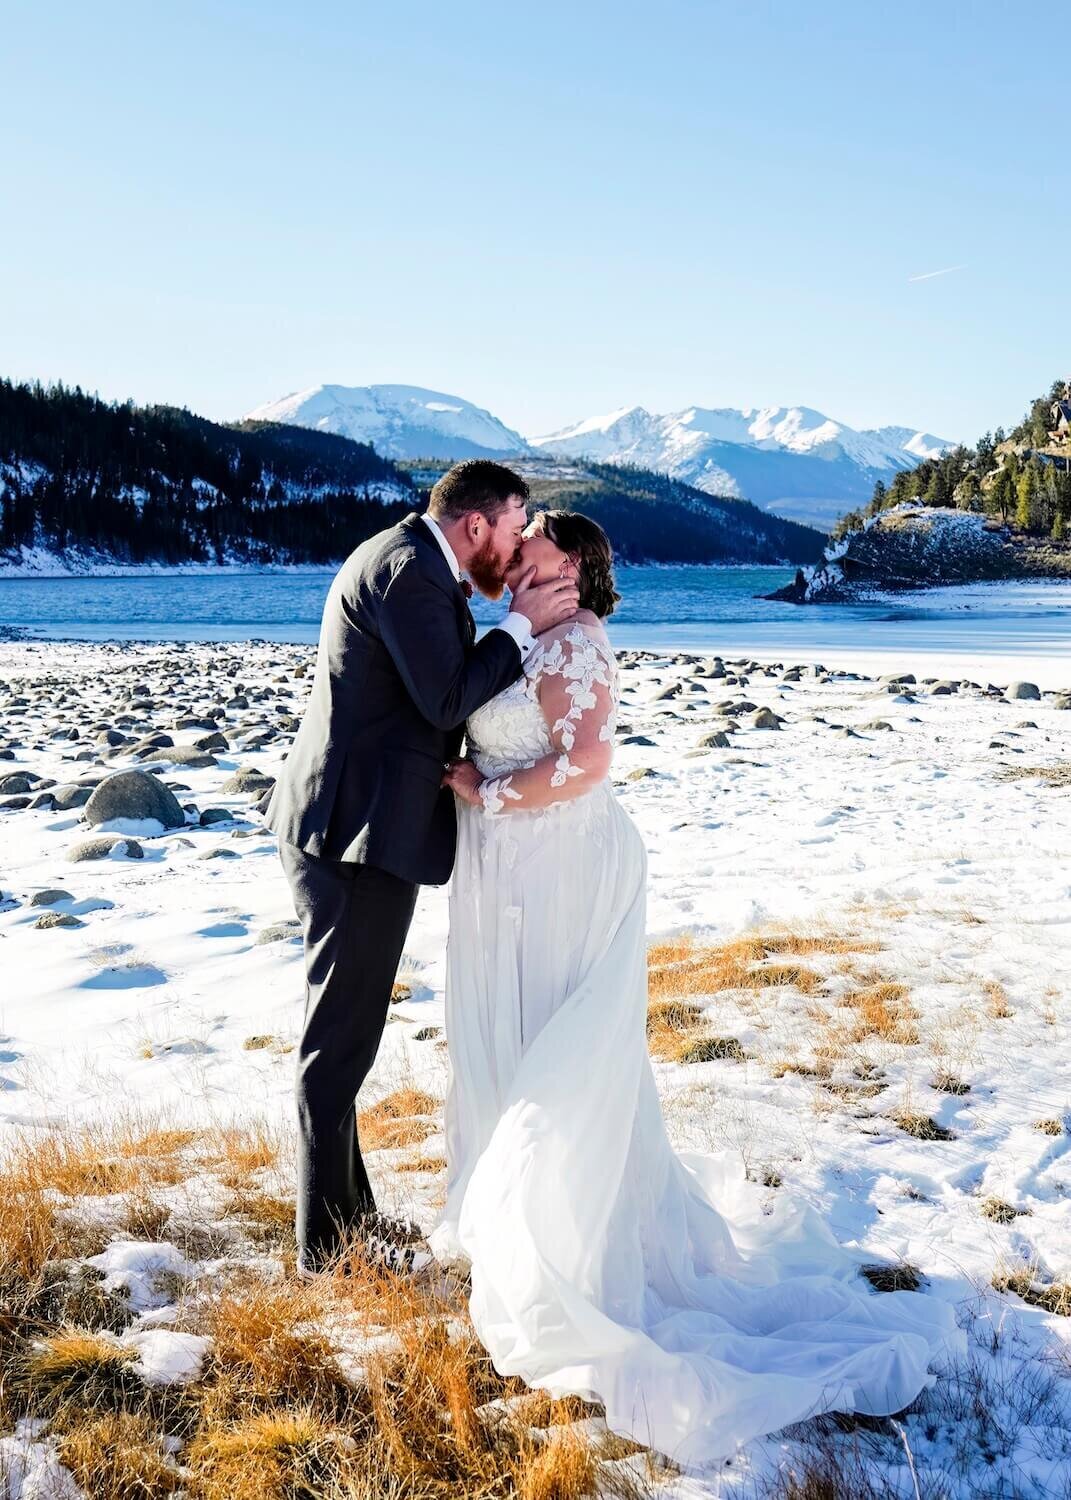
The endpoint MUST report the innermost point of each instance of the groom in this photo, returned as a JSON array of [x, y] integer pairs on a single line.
[[359, 808]]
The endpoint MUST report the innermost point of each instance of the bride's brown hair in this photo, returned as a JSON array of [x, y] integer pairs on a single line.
[[588, 545]]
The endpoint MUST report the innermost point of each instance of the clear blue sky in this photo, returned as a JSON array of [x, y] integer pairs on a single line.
[[551, 210]]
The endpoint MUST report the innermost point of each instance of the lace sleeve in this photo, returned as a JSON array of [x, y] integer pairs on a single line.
[[578, 695]]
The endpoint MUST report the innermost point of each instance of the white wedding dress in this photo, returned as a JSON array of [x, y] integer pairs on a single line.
[[603, 1264]]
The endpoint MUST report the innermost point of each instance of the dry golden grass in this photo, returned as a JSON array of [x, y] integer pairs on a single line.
[[421, 1164], [1000, 1211], [922, 1127], [682, 967], [997, 1004], [400, 1119], [118, 1455], [900, 1276], [1054, 1126], [1024, 1282], [77, 1366], [881, 1009]]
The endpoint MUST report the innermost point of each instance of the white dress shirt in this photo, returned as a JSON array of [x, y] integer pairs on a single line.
[[515, 625]]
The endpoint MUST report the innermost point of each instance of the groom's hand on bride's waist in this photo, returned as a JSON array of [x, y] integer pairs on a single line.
[[544, 605]]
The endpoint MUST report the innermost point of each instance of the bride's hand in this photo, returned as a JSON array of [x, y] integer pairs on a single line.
[[462, 777]]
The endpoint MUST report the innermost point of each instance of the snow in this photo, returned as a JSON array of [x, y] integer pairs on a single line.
[[31, 1470], [397, 419], [914, 837], [135, 1267], [166, 1357]]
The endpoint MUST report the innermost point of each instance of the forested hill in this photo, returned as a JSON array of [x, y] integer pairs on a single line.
[[650, 517], [158, 484], [85, 483]]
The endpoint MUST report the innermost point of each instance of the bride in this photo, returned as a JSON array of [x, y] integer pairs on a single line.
[[603, 1264]]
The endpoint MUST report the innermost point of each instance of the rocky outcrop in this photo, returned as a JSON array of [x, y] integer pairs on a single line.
[[916, 547]]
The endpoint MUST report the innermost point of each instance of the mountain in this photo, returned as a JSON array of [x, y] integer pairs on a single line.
[[401, 421], [84, 484], [650, 517], [793, 461]]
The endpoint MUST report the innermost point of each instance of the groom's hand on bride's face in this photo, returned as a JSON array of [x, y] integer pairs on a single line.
[[544, 605]]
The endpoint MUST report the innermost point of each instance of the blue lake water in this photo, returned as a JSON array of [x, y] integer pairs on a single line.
[[709, 609]]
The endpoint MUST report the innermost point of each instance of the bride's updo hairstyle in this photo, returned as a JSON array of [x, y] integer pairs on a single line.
[[588, 545]]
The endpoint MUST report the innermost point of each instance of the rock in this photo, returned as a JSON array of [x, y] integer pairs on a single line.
[[159, 741], [112, 737], [247, 779], [639, 739], [874, 724], [15, 784], [671, 690], [1016, 690], [765, 718], [15, 804], [44, 799], [103, 846], [50, 896], [715, 740], [213, 741], [134, 795], [280, 931], [899, 678], [944, 689], [847, 734], [212, 815], [183, 755], [640, 773], [57, 919], [64, 798]]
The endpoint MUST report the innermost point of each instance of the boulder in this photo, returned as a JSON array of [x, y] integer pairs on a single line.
[[69, 796], [103, 846], [1017, 690], [134, 795], [50, 896], [765, 718], [57, 919], [15, 784], [183, 755], [247, 779], [717, 739]]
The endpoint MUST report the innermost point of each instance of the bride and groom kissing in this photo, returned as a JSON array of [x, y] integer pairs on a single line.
[[602, 1263]]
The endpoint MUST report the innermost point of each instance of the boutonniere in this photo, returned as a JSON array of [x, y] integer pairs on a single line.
[[466, 588]]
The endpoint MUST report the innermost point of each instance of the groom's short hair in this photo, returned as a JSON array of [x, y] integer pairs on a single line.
[[475, 484]]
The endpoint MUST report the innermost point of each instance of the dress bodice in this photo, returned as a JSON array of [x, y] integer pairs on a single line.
[[511, 731]]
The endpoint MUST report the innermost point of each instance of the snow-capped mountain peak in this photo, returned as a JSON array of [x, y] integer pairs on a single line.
[[401, 421]]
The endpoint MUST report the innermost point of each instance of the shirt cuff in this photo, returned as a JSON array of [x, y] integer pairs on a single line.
[[517, 626]]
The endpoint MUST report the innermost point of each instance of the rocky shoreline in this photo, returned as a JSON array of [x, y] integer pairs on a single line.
[[918, 547]]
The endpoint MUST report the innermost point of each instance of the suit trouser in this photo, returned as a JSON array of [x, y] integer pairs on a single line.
[[354, 920]]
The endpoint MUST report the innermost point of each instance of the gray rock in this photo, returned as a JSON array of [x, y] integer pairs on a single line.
[[671, 690], [64, 798], [715, 740], [638, 739], [102, 846], [57, 919], [765, 718], [247, 779], [213, 815], [15, 784], [1016, 690], [50, 896], [877, 724], [113, 737], [280, 931], [183, 755], [213, 741], [218, 854], [134, 795]]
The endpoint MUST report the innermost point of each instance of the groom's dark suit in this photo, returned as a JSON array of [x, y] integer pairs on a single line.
[[363, 821]]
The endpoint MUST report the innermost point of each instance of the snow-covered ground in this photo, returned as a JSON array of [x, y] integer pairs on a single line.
[[913, 819]]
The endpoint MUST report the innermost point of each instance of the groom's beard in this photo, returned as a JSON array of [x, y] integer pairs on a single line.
[[488, 572]]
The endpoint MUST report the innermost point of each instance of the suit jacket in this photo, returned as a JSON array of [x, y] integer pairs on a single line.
[[398, 671]]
